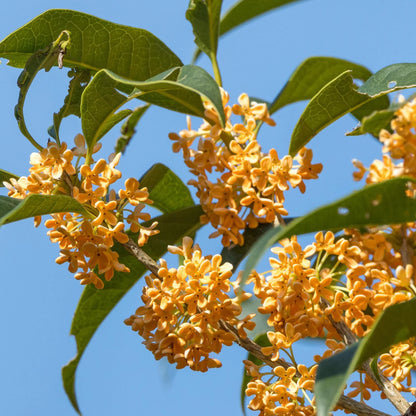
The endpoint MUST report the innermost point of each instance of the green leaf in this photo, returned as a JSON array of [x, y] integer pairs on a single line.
[[204, 16], [179, 89], [312, 75], [95, 44], [128, 128], [12, 209], [72, 103], [394, 325], [94, 305], [376, 204], [6, 176], [245, 10], [374, 123], [42, 59], [263, 341], [390, 78], [111, 121], [341, 96], [380, 119], [166, 189]]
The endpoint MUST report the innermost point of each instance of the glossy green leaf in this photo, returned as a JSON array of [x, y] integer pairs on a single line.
[[394, 325], [312, 75], [95, 44], [95, 305], [166, 189], [374, 123], [12, 209], [204, 16], [180, 89], [245, 10], [112, 121], [72, 102], [129, 128], [380, 119], [390, 78], [341, 96], [6, 176], [41, 59], [263, 341], [337, 98], [376, 204]]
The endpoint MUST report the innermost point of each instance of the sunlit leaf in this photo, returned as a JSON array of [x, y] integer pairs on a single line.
[[12, 209], [180, 89], [312, 75], [394, 325], [341, 96], [390, 78], [95, 44], [245, 10], [380, 119], [167, 191], [374, 123], [205, 19], [41, 59], [376, 204]]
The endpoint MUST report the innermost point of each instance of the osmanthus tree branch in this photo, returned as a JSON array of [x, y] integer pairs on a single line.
[[351, 405], [142, 257], [345, 402], [383, 383]]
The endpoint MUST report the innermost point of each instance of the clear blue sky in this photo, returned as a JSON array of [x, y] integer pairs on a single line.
[[117, 375]]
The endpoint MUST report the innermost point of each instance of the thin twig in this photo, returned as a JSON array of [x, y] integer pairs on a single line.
[[142, 257], [383, 383]]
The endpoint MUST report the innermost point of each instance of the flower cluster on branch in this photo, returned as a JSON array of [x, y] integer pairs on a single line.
[[237, 184], [86, 241]]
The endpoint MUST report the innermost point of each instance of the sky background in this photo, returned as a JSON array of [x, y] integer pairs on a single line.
[[117, 375]]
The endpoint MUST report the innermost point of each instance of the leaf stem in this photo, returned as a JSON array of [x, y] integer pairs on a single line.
[[216, 69]]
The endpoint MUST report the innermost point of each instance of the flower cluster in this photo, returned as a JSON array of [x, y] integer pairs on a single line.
[[286, 386], [393, 275], [352, 280], [354, 277], [237, 184], [86, 240], [399, 145], [186, 310]]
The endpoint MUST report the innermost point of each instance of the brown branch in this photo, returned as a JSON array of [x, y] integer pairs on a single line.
[[142, 257], [345, 402], [358, 408], [383, 383]]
